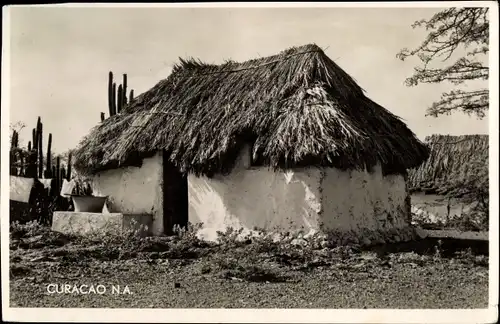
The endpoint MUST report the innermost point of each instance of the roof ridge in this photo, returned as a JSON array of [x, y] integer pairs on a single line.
[[256, 66]]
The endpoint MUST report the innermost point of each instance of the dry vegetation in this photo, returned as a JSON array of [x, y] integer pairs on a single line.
[[457, 169], [456, 165], [182, 271]]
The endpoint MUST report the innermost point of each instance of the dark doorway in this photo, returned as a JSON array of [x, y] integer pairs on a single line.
[[175, 198]]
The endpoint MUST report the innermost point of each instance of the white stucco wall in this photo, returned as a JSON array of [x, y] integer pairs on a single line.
[[134, 190], [353, 200], [306, 199], [259, 198]]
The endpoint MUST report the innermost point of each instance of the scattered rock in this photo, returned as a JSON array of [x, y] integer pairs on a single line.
[[16, 259], [33, 239], [154, 255], [324, 243], [277, 237], [19, 271], [366, 242], [177, 285], [299, 242], [42, 258], [310, 234], [368, 256], [421, 234]]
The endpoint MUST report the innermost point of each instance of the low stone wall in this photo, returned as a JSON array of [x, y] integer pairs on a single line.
[[112, 223]]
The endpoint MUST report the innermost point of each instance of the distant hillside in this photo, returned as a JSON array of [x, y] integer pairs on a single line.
[[455, 164]]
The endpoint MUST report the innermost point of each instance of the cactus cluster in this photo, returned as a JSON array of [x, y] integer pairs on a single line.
[[117, 96], [31, 164]]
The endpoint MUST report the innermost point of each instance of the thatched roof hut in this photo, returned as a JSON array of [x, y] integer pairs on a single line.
[[455, 163], [296, 108]]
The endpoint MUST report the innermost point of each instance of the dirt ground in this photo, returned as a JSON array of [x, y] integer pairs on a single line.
[[163, 285], [164, 273]]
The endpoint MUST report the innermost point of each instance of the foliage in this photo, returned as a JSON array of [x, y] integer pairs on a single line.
[[450, 32], [15, 128], [83, 185], [29, 229]]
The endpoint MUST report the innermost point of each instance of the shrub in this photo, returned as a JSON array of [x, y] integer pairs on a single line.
[[29, 229]]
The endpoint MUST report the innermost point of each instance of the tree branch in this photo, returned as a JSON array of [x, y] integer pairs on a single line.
[[449, 30]]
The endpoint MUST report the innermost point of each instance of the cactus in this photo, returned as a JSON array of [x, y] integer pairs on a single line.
[[13, 168], [68, 175], [22, 166], [58, 173], [63, 175], [102, 117], [114, 100], [124, 91], [35, 146], [111, 92], [131, 96], [48, 168], [117, 96], [15, 139], [29, 146], [120, 99], [49, 155], [31, 170], [40, 148]]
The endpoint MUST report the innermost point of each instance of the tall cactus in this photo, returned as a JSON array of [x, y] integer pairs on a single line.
[[120, 99], [35, 145], [22, 166], [63, 176], [29, 146], [68, 175], [114, 100], [40, 148], [31, 170], [58, 173], [110, 94], [13, 167], [48, 169], [15, 139], [131, 96], [124, 91], [117, 96]]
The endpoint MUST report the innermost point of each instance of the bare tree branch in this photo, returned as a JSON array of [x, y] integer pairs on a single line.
[[449, 30]]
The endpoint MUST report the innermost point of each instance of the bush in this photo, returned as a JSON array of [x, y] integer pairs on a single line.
[[246, 267], [29, 229]]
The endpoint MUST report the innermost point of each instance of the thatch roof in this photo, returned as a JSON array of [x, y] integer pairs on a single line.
[[297, 108], [455, 163]]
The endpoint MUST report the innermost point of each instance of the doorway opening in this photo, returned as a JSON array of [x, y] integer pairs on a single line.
[[175, 198]]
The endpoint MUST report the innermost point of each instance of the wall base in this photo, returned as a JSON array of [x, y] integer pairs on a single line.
[[367, 237], [113, 223], [334, 238]]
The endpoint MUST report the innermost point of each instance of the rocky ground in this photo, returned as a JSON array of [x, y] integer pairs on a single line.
[[182, 272]]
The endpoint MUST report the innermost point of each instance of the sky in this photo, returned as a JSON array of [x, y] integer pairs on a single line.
[[60, 57]]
